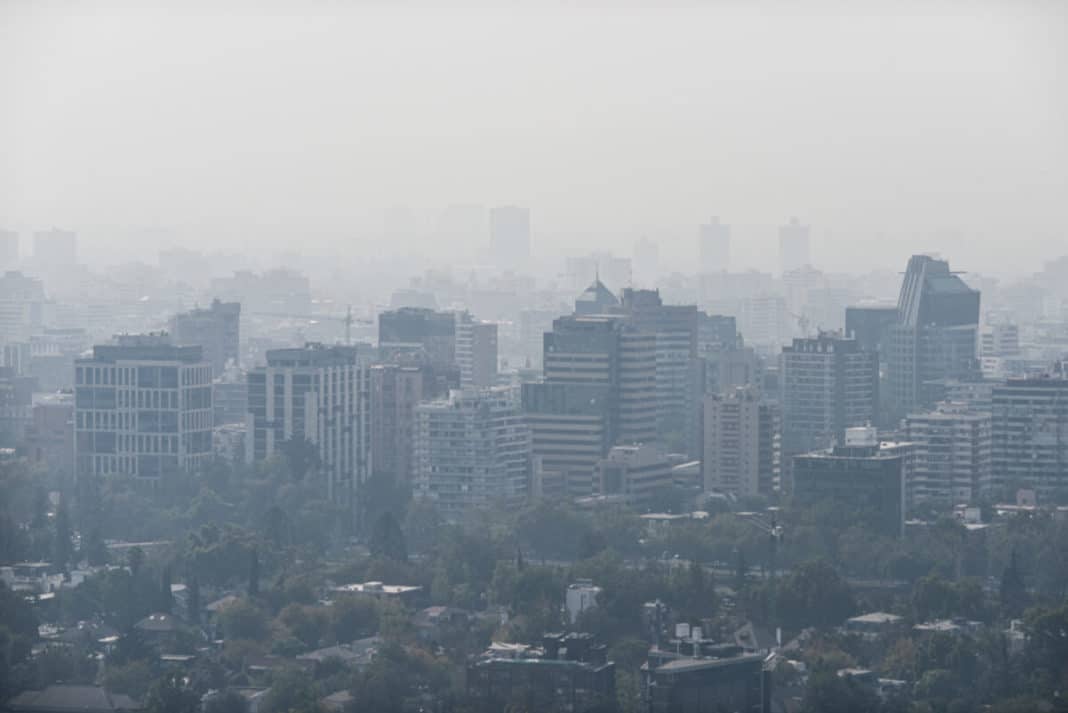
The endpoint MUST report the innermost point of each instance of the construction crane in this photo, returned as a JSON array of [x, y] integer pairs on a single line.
[[347, 319]]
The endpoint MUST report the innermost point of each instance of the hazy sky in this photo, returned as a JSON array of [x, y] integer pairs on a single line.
[[937, 125]]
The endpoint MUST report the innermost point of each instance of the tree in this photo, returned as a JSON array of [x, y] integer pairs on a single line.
[[254, 574], [135, 560], [166, 597], [301, 456], [353, 617], [63, 545], [244, 620], [169, 695], [387, 539], [827, 692], [1013, 592], [814, 595], [194, 599]]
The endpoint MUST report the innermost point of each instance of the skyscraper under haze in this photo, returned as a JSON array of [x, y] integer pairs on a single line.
[[934, 338], [510, 235], [713, 246], [794, 246]]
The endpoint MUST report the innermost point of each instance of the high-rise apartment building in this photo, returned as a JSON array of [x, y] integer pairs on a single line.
[[395, 392], [952, 455], [1030, 435], [471, 450], [510, 235], [713, 247], [742, 443], [217, 329], [934, 338], [828, 385], [143, 407], [863, 479], [318, 397], [794, 246], [476, 352]]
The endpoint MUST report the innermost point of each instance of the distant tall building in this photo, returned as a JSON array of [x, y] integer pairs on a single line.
[[645, 264], [395, 392], [510, 235], [864, 479], [828, 385], [9, 249], [952, 455], [278, 292], [55, 248], [471, 450], [476, 351], [675, 329], [1030, 436], [318, 397], [999, 340], [934, 338], [22, 303], [742, 443], [794, 246], [615, 272], [143, 407], [217, 329], [764, 321], [713, 247]]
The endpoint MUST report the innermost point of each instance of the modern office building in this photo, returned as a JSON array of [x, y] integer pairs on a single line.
[[828, 385], [596, 300], [476, 351], [414, 328], [143, 408], [571, 430], [217, 329], [1030, 436], [742, 443], [934, 338], [395, 392], [316, 396], [869, 325], [863, 480], [716, 332], [794, 246], [713, 246], [952, 460], [510, 235], [610, 352], [636, 474], [764, 321], [675, 329], [999, 340], [16, 410], [472, 450]]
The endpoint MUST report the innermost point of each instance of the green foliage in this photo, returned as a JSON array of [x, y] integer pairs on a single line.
[[829, 693], [169, 694], [292, 691], [813, 595], [133, 678], [243, 619], [387, 539]]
